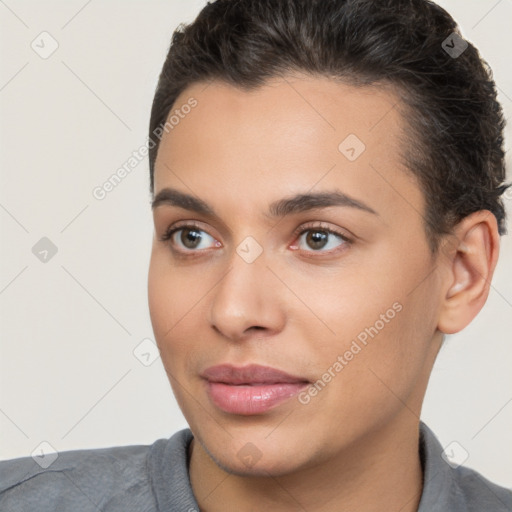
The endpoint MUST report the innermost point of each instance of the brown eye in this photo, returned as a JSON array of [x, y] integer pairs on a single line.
[[190, 237], [321, 239], [317, 239]]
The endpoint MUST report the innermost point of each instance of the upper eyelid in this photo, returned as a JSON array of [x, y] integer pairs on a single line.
[[303, 227], [308, 226], [186, 224], [321, 226]]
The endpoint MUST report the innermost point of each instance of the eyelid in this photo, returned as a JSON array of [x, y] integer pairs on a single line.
[[182, 224], [322, 226], [169, 232], [318, 255], [308, 226]]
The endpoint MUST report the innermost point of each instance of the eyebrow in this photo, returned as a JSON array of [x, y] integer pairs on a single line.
[[280, 208]]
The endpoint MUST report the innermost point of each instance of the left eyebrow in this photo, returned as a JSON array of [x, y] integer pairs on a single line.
[[287, 206], [310, 201]]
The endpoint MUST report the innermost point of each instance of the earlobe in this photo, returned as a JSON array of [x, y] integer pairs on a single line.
[[470, 267]]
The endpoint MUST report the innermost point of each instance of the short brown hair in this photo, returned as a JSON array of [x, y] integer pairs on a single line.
[[455, 136]]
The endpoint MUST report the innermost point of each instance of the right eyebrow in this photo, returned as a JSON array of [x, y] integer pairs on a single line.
[[173, 197]]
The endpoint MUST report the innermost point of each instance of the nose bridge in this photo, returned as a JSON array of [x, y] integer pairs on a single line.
[[244, 297]]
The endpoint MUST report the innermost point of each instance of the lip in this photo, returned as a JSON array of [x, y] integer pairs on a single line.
[[250, 374], [251, 389]]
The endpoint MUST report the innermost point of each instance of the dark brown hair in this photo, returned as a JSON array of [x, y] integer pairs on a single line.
[[454, 140]]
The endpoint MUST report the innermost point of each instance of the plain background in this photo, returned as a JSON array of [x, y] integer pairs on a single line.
[[69, 326]]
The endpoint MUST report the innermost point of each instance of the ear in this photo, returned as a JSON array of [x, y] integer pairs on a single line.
[[470, 259]]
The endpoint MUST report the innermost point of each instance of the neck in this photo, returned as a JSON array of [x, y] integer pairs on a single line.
[[382, 471]]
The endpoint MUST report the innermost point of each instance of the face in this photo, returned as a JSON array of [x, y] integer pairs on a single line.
[[337, 291]]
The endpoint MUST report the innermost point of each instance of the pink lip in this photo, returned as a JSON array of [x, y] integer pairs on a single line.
[[251, 389]]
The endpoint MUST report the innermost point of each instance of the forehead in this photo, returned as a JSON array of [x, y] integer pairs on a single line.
[[291, 135]]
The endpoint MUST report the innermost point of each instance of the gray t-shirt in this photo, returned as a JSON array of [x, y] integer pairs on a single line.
[[154, 478]]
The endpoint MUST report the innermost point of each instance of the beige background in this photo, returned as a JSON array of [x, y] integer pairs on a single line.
[[69, 326]]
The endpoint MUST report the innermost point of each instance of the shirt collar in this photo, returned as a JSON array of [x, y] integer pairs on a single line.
[[438, 481]]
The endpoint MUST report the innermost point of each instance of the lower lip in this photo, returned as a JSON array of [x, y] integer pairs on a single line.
[[247, 400]]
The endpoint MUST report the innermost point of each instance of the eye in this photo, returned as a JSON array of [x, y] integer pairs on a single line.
[[320, 238], [189, 237]]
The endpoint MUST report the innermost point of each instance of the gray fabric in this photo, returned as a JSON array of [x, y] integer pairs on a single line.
[[154, 478]]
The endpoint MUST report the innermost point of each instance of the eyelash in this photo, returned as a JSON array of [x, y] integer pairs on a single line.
[[166, 237]]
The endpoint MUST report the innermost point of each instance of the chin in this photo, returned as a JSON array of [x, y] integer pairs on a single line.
[[261, 458], [276, 468]]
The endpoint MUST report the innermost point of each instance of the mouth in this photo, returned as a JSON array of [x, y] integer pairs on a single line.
[[251, 389]]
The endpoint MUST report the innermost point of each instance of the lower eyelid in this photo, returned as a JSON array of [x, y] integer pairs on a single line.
[[168, 237]]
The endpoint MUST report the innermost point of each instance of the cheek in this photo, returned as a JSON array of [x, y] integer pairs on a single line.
[[370, 381], [159, 300], [165, 312], [171, 294], [346, 303], [178, 311], [168, 305], [383, 325]]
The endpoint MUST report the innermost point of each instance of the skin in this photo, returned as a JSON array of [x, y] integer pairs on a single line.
[[298, 306]]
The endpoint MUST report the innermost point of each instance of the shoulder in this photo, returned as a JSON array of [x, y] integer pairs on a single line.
[[449, 486], [96, 479], [479, 493]]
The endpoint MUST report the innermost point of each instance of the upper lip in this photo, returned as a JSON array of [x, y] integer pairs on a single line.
[[250, 374]]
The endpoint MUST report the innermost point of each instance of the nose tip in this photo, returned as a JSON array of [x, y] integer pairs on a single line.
[[239, 332], [245, 303]]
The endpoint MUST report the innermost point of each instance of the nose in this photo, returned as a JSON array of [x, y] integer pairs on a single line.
[[248, 301]]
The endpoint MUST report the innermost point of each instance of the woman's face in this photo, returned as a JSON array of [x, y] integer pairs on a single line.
[[351, 315]]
